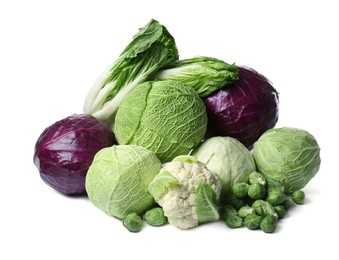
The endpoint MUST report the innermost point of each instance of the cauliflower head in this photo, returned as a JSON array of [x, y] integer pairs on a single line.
[[187, 191]]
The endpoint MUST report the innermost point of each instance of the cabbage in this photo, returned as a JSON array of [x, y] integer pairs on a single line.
[[204, 74], [243, 110], [150, 49], [118, 179], [65, 150], [166, 117], [289, 156], [228, 158]]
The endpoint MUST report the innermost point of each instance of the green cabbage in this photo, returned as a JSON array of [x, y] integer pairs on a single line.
[[289, 156], [228, 158], [204, 74], [118, 179], [166, 117]]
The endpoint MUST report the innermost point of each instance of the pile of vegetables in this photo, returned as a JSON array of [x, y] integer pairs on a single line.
[[184, 142]]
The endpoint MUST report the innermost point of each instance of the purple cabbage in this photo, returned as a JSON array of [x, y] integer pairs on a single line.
[[243, 110], [65, 150]]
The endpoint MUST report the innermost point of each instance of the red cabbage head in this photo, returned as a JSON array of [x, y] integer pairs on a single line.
[[65, 150], [243, 110]]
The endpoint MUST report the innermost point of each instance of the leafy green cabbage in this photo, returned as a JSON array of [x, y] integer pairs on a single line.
[[118, 179], [150, 49], [204, 74], [166, 117], [289, 156]]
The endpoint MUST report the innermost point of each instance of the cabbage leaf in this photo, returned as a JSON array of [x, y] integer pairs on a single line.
[[206, 203], [161, 184], [205, 74]]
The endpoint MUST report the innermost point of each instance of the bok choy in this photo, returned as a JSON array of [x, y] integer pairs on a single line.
[[152, 48]]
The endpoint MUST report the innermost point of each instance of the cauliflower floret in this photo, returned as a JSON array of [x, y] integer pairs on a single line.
[[179, 202]]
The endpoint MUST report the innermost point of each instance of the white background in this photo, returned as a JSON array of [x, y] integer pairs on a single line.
[[52, 51]]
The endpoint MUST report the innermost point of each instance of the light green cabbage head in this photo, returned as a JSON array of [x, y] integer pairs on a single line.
[[289, 156], [118, 179], [166, 117], [228, 158]]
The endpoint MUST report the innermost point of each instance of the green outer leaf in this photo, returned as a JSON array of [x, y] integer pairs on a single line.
[[206, 203], [161, 184], [150, 49], [204, 74], [185, 159]]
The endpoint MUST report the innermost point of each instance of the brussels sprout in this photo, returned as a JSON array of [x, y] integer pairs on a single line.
[[233, 201], [298, 197], [268, 224], [252, 221], [275, 196], [280, 210], [155, 217], [256, 191], [132, 222], [256, 177], [264, 208], [287, 203], [231, 217], [245, 211], [289, 156], [240, 190]]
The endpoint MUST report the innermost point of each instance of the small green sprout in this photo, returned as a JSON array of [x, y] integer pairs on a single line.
[[256, 177], [256, 191], [252, 221], [235, 202], [264, 208], [155, 217], [240, 190], [298, 197], [280, 210], [231, 217], [132, 222], [268, 224], [275, 196], [287, 203], [245, 211]]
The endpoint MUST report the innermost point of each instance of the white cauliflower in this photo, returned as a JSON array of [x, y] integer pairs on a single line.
[[187, 191]]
